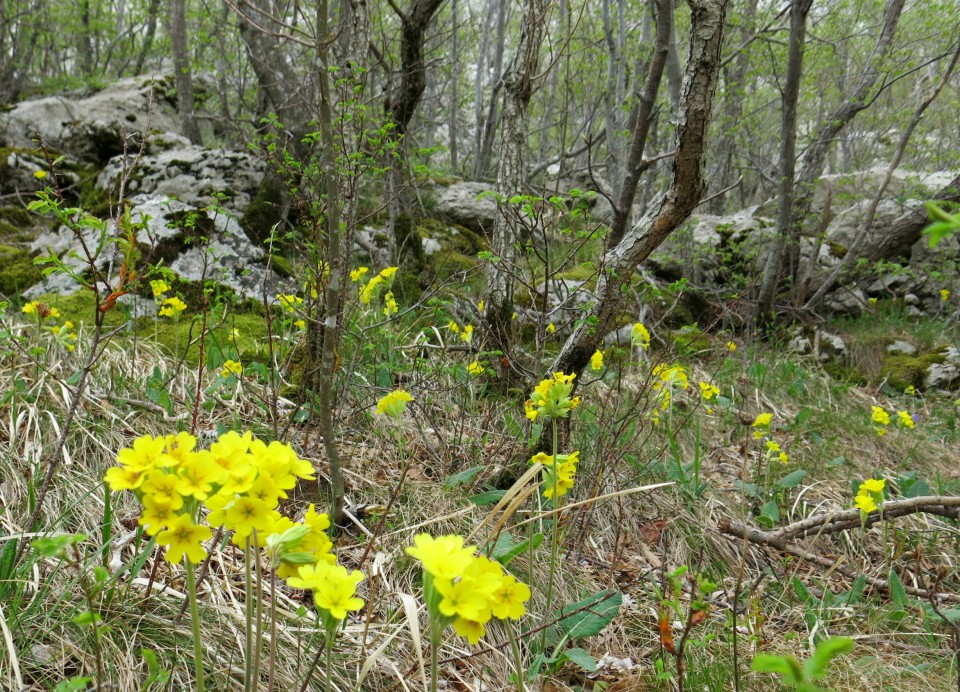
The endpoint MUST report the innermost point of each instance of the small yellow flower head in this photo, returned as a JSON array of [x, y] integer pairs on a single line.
[[394, 403], [444, 557], [551, 398], [232, 367], [300, 324], [390, 306], [159, 287], [358, 273], [370, 289], [905, 420], [910, 390], [784, 457], [761, 424], [865, 503], [172, 307], [453, 326], [289, 302], [944, 295], [596, 361], [30, 307], [558, 472], [772, 446], [471, 630], [41, 310], [40, 174], [466, 336], [389, 272], [640, 337], [878, 415], [475, 368], [708, 391], [336, 590], [551, 328], [731, 346], [508, 599], [872, 485], [183, 537], [480, 306]]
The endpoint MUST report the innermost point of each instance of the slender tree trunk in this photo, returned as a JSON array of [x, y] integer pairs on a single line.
[[687, 186], [454, 90], [85, 48], [148, 37], [183, 72], [491, 120], [788, 143], [518, 88]]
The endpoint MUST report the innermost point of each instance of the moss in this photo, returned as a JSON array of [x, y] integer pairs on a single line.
[[412, 261], [451, 236], [282, 266], [902, 371], [264, 211], [837, 250], [17, 216], [17, 270]]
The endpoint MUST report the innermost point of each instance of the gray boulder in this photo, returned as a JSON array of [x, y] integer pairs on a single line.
[[94, 126], [462, 203], [173, 167]]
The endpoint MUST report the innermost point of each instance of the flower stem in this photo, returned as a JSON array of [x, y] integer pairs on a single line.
[[248, 627], [328, 645], [435, 636], [273, 630], [554, 534], [258, 642], [517, 661], [195, 619]]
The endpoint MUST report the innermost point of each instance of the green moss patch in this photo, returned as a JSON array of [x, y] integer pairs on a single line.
[[17, 270], [902, 371]]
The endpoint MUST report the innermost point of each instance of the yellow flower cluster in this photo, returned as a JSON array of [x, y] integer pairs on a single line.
[[240, 480], [551, 398], [394, 403], [289, 303], [944, 295], [232, 367], [371, 289], [596, 361], [870, 495], [41, 310], [465, 589], [172, 307], [64, 333], [762, 428], [558, 472], [666, 380], [475, 368], [640, 337], [881, 419]]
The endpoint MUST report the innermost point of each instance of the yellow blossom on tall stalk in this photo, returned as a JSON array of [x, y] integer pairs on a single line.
[[466, 336], [596, 361], [475, 368], [731, 347], [358, 273], [880, 418], [761, 425], [232, 367], [870, 494], [905, 420], [289, 303], [944, 295], [158, 287], [390, 306], [558, 472], [551, 328], [640, 336], [453, 326], [394, 403], [552, 398], [172, 307], [40, 174], [184, 538]]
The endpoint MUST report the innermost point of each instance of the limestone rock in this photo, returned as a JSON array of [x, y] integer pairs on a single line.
[[462, 203]]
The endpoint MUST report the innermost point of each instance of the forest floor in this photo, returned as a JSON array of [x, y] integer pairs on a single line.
[[666, 462]]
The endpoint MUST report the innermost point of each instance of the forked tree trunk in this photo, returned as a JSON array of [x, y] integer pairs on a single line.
[[687, 186], [518, 88]]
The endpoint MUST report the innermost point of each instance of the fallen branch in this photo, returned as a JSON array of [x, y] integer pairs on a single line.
[[834, 522]]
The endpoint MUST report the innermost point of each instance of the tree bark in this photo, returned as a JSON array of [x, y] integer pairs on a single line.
[[687, 186], [788, 144], [518, 88], [183, 72]]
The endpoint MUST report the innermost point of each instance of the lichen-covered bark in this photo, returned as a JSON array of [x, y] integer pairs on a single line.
[[688, 184]]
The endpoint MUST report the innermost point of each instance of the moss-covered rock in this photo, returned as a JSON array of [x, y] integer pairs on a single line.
[[17, 270], [265, 210], [902, 370]]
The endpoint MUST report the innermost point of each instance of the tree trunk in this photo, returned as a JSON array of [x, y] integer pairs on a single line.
[[148, 37], [491, 120], [687, 186], [453, 131], [788, 144], [518, 88], [183, 73]]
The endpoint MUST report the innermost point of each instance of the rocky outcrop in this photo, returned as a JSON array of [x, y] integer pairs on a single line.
[[173, 167], [472, 205], [93, 127]]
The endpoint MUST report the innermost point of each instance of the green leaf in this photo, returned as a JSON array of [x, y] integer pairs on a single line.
[[506, 557], [487, 498], [464, 477], [791, 480], [86, 618], [53, 546], [827, 649], [787, 666], [802, 416], [74, 683], [588, 617], [582, 659], [770, 513], [801, 590], [898, 593]]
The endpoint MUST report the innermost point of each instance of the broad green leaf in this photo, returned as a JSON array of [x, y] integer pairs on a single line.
[[487, 498], [463, 477], [787, 666], [791, 480], [53, 546], [581, 658], [520, 548], [897, 593], [588, 617], [826, 650], [801, 590]]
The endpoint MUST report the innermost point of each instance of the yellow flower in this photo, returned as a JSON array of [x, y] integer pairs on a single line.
[[370, 289], [389, 272], [121, 478], [910, 390], [905, 420], [289, 302], [865, 503], [640, 337], [232, 367], [358, 273], [172, 307], [551, 328], [453, 326], [480, 306], [40, 174], [247, 514], [596, 360], [731, 346], [159, 287], [944, 295], [183, 537], [467, 598], [475, 368], [872, 485], [394, 403], [390, 306], [471, 630], [881, 431], [336, 592], [163, 487], [199, 474], [761, 425], [772, 446], [878, 415], [156, 515], [444, 557], [30, 307], [784, 458], [508, 599], [551, 398], [872, 301], [467, 335], [300, 324], [708, 391], [146, 453]]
